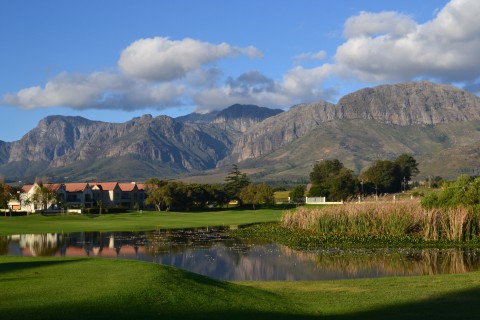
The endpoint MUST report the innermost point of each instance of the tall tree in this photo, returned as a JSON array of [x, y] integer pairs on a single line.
[[44, 197], [383, 176], [156, 192], [256, 194], [332, 180], [234, 182], [408, 167], [5, 191], [297, 194]]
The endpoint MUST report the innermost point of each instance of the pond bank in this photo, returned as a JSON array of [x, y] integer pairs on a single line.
[[60, 288], [307, 239]]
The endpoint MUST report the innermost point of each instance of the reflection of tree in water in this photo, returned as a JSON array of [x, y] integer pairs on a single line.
[[3, 246], [355, 262], [450, 261]]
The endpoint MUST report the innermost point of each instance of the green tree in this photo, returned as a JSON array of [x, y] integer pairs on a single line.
[[332, 180], [5, 191], [256, 194], [384, 176], [234, 182], [156, 192], [408, 167], [297, 194], [465, 191], [44, 197], [99, 205], [217, 195]]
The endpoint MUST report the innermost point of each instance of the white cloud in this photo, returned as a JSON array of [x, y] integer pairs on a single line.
[[152, 71], [162, 59], [299, 85], [371, 24], [311, 56], [390, 46], [378, 47], [96, 91]]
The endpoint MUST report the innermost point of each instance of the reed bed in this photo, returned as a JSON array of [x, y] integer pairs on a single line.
[[387, 219]]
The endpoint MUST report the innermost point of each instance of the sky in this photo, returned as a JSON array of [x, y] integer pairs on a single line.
[[113, 60]]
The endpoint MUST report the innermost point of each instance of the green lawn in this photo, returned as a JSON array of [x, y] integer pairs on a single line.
[[72, 288], [134, 221], [88, 288]]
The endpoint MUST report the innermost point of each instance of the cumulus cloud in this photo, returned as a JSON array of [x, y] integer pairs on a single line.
[[378, 47], [152, 73], [251, 87], [371, 24], [162, 59], [390, 46], [311, 56], [299, 85], [98, 91]]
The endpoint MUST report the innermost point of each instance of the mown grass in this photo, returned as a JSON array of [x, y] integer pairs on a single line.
[[72, 288], [135, 221]]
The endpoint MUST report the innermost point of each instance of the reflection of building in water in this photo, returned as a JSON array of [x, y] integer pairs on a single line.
[[38, 244], [97, 244], [79, 245]]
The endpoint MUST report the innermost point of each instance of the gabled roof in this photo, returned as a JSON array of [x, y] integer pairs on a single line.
[[105, 186], [75, 187], [127, 186], [53, 186], [27, 188]]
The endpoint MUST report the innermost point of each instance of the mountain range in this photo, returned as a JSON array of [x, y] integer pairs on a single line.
[[437, 124]]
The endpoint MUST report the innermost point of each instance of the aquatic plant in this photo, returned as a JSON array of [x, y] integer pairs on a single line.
[[387, 219]]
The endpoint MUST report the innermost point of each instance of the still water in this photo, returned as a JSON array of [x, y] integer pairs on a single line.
[[212, 253]]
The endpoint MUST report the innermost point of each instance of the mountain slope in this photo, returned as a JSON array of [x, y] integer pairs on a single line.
[[410, 103], [63, 142], [240, 117], [426, 120], [405, 104], [357, 143], [4, 151]]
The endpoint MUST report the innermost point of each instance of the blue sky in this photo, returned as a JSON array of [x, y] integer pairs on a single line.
[[115, 60]]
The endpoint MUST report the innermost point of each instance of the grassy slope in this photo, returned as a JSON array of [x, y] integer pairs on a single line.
[[360, 142], [134, 221], [70, 288]]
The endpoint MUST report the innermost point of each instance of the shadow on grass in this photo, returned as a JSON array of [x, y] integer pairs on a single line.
[[27, 264], [461, 305]]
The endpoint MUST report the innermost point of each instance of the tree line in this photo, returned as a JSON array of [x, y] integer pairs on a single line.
[[167, 195], [331, 179]]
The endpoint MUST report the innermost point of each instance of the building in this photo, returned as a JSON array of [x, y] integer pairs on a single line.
[[82, 195]]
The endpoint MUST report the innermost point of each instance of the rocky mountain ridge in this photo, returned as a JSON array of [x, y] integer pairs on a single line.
[[258, 138], [404, 104]]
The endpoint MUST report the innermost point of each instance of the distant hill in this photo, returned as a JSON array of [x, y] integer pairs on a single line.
[[437, 124]]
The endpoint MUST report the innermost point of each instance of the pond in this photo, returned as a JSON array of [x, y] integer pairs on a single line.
[[211, 252]]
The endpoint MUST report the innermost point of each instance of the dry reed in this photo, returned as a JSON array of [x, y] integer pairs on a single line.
[[387, 219]]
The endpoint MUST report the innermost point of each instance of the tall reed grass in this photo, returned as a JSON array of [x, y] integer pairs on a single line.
[[387, 219]]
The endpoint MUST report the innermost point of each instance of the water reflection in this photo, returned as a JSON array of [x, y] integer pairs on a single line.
[[212, 253]]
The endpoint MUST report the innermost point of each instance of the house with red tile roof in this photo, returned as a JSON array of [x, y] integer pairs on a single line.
[[79, 195], [132, 196], [84, 195], [109, 193], [25, 203]]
